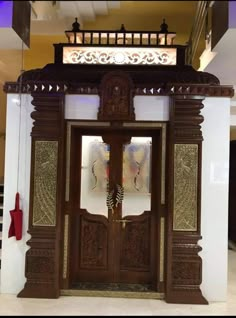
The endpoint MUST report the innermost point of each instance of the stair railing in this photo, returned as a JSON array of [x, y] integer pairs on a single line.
[[200, 21]]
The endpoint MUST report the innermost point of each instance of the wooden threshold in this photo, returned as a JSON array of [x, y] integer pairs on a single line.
[[113, 294]]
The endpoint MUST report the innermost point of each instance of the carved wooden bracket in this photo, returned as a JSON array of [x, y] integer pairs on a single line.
[[116, 97]]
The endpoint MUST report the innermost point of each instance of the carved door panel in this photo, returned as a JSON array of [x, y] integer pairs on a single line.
[[115, 211]]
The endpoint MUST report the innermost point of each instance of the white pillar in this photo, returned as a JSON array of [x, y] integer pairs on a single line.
[[13, 251], [215, 182]]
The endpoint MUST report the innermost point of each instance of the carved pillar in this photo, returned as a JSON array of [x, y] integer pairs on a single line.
[[42, 259], [184, 265]]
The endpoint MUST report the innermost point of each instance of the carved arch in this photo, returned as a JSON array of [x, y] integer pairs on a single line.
[[116, 97]]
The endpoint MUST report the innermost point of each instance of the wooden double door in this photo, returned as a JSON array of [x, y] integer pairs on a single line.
[[115, 207]]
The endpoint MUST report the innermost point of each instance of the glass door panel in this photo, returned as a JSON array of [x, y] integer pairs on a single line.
[[94, 175], [115, 226], [136, 176]]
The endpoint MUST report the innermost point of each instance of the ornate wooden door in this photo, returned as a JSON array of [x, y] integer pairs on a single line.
[[114, 205]]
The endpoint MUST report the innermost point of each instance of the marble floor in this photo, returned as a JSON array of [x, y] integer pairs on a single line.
[[10, 305]]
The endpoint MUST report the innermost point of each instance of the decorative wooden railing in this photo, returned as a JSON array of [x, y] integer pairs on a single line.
[[117, 38]]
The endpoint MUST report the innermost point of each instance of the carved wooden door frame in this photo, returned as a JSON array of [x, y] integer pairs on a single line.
[[186, 89], [160, 128]]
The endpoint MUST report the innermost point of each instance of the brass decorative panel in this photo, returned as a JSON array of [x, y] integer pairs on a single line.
[[45, 183], [68, 146], [162, 249], [110, 293], [185, 187], [66, 228]]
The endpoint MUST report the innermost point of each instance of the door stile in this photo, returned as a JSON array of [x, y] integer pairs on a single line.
[[115, 179], [74, 198], [156, 206]]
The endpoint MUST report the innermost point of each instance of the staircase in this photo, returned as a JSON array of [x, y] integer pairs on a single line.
[[1, 218]]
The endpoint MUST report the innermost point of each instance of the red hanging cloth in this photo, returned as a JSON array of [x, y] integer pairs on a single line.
[[16, 220]]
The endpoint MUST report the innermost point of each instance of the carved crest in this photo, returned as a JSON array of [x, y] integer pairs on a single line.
[[116, 97]]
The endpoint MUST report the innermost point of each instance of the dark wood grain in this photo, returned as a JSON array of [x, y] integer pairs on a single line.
[[42, 259], [109, 252], [112, 254], [184, 265]]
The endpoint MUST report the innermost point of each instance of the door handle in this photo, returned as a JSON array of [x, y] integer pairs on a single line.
[[123, 222], [111, 202]]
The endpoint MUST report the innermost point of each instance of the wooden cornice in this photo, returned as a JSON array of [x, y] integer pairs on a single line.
[[52, 87], [147, 80]]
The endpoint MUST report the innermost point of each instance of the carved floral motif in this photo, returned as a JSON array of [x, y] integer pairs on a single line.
[[40, 265], [135, 249], [45, 181], [128, 56], [94, 244], [186, 272], [116, 101], [185, 187]]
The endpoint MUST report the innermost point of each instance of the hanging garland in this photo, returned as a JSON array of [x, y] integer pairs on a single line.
[[119, 194]]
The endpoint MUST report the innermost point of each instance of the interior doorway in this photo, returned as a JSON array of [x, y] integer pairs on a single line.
[[115, 194]]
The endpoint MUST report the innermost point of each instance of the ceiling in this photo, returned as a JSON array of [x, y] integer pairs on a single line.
[[223, 63], [54, 17], [137, 15]]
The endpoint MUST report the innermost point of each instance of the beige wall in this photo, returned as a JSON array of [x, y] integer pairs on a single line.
[[10, 70], [43, 44], [10, 66]]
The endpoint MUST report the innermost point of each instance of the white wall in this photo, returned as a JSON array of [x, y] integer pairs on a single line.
[[214, 188], [215, 173], [86, 107], [13, 251], [151, 108], [81, 106]]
